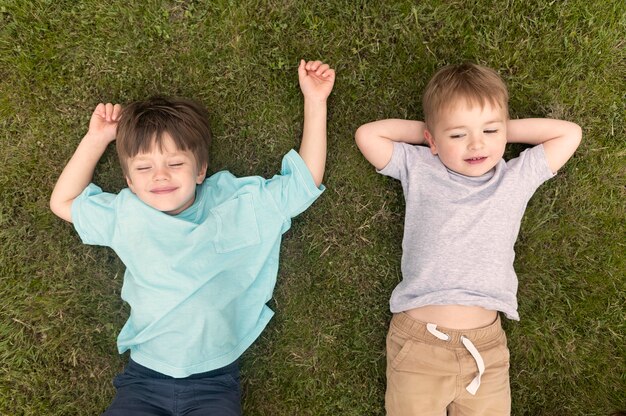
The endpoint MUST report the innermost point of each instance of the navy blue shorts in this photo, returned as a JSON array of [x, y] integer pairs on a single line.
[[143, 392]]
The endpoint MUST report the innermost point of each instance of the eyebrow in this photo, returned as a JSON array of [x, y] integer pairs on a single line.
[[139, 159], [462, 126]]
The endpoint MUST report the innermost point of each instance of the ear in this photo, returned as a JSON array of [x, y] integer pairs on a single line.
[[201, 174], [431, 141]]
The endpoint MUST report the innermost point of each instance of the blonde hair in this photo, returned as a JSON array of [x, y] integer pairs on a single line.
[[476, 84]]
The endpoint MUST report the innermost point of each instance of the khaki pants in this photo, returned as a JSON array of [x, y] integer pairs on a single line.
[[427, 375]]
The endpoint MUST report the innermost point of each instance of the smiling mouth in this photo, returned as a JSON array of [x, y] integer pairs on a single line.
[[161, 191], [474, 160]]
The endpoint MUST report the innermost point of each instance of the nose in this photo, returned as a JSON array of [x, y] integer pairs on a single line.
[[476, 142], [160, 174]]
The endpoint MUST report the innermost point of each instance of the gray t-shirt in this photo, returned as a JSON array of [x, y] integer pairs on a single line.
[[459, 231]]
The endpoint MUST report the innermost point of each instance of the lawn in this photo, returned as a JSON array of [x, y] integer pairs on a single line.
[[323, 352]]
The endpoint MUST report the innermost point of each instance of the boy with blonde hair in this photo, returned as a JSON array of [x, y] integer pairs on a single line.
[[446, 350], [201, 254]]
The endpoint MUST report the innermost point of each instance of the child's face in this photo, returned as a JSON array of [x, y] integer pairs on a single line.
[[468, 139], [165, 178]]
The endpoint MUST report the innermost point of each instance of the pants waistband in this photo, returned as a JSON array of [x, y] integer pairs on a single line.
[[149, 373], [481, 337]]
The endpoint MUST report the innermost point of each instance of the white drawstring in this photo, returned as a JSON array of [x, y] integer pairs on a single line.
[[475, 384], [432, 328], [472, 388]]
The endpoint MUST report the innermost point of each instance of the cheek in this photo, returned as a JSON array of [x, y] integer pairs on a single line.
[[135, 184], [449, 151], [501, 145]]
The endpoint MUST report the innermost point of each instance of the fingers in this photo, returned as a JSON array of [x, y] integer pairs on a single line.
[[117, 109], [100, 110], [329, 73], [109, 112], [302, 68], [317, 67]]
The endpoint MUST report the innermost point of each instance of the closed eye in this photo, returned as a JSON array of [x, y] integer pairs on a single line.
[[143, 168], [174, 165], [490, 131], [457, 136]]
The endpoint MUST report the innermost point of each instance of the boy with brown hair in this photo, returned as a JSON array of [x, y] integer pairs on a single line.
[[446, 350], [201, 254]]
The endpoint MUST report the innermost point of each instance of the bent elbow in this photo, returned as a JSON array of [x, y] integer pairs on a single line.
[[360, 135], [578, 133], [575, 136], [61, 209], [53, 204]]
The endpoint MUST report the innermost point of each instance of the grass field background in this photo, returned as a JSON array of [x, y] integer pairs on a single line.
[[323, 352]]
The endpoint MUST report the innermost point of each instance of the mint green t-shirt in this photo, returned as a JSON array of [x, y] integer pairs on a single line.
[[198, 282]]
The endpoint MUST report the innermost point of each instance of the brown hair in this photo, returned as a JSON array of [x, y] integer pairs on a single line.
[[142, 124], [475, 83]]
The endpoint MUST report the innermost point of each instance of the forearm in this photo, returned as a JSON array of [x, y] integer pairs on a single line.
[[76, 176], [313, 146], [539, 130], [375, 139], [395, 130], [560, 138]]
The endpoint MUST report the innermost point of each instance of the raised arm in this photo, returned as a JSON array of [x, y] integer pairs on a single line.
[[316, 82], [375, 139], [560, 138], [79, 170]]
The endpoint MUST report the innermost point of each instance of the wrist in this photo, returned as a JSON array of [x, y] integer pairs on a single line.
[[315, 100], [96, 140]]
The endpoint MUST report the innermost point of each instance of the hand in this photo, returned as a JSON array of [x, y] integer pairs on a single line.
[[103, 123], [316, 79]]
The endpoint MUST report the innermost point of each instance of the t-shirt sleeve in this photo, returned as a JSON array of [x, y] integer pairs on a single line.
[[294, 190], [533, 168], [94, 216], [403, 157]]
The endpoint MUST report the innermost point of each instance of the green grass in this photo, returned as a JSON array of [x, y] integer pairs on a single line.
[[323, 353]]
